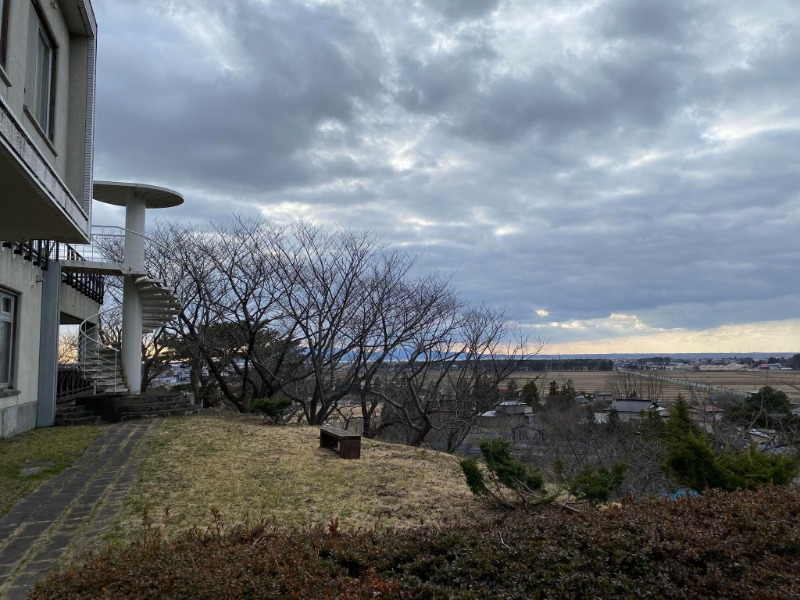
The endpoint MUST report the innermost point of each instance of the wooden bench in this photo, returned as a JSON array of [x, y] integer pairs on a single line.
[[349, 443]]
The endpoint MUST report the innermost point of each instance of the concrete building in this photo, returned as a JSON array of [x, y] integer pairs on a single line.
[[47, 71], [47, 95]]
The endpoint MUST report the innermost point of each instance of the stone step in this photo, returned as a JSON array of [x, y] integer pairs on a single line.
[[149, 414], [89, 419]]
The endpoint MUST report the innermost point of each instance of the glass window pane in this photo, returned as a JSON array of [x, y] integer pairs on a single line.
[[44, 61], [3, 30], [5, 352]]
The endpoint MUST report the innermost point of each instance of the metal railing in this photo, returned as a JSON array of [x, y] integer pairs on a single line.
[[36, 251], [109, 243], [98, 361], [71, 383], [42, 252]]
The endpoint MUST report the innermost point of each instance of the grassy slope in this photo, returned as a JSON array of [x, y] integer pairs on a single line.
[[242, 466], [53, 449]]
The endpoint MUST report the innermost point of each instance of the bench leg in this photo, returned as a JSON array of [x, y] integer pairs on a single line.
[[327, 441], [350, 448]]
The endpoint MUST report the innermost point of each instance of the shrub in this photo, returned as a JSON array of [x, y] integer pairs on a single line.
[[598, 484], [693, 463], [272, 408], [504, 471], [721, 545]]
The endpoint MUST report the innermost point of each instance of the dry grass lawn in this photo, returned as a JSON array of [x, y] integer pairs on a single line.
[[244, 467]]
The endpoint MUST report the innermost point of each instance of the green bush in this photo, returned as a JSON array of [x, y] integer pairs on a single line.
[[474, 477], [272, 408], [693, 463], [744, 544], [509, 471], [598, 484], [505, 473]]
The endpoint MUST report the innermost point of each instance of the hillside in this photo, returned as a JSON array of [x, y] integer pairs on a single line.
[[245, 467]]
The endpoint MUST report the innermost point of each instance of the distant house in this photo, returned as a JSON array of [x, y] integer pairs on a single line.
[[632, 409], [706, 416], [511, 420], [603, 396]]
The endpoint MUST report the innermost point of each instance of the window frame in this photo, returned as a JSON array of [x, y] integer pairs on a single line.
[[10, 318], [39, 29], [4, 16]]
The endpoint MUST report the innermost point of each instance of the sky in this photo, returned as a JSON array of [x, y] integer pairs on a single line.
[[616, 175]]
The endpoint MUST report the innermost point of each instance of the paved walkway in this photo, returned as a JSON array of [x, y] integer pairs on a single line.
[[66, 514]]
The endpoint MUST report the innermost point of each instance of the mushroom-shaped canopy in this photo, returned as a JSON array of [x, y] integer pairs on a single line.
[[119, 194]]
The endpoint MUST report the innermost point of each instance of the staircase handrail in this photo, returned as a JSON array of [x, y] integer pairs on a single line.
[[83, 336], [92, 252]]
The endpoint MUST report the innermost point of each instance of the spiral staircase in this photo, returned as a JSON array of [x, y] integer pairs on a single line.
[[114, 396], [100, 362]]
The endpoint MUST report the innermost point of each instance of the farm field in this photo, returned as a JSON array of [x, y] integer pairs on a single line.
[[679, 382]]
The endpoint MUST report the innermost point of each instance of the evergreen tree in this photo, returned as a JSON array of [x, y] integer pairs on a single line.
[[530, 393]]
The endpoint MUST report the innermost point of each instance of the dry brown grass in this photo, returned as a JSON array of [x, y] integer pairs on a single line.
[[746, 381], [242, 466], [742, 381]]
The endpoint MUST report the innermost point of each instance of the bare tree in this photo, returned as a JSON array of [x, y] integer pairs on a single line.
[[632, 384], [573, 439], [451, 376]]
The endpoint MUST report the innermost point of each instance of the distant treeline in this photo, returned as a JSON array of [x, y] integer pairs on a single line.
[[568, 364]]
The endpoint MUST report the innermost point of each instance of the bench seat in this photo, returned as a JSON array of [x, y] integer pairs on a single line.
[[349, 443]]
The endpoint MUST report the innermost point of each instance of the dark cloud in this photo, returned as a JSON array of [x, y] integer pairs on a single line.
[[463, 9], [649, 20], [245, 117]]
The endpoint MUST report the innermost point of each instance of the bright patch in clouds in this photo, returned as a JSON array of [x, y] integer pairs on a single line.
[[768, 336]]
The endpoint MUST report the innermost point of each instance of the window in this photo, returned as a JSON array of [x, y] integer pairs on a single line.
[[3, 31], [7, 303], [40, 91]]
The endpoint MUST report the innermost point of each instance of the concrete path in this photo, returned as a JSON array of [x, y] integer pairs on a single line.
[[66, 514]]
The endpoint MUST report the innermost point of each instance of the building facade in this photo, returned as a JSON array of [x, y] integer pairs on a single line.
[[47, 83]]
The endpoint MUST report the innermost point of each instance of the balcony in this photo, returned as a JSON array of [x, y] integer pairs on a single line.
[[41, 252], [37, 204]]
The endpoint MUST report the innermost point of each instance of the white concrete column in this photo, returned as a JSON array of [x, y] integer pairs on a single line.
[[132, 335], [131, 301], [134, 232]]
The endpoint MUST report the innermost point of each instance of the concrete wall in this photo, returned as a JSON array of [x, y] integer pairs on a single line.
[[18, 404], [75, 307], [58, 169], [72, 72]]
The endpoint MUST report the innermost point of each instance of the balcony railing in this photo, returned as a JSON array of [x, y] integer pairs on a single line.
[[71, 383], [36, 251], [107, 245], [41, 252]]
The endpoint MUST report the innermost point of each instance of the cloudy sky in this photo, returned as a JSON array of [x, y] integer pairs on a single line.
[[617, 175]]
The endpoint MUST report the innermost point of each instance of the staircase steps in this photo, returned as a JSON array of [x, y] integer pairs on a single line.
[[102, 364], [122, 407], [71, 414]]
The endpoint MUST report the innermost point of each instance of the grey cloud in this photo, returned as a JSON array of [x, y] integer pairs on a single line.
[[305, 67], [649, 19], [635, 157], [463, 9]]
